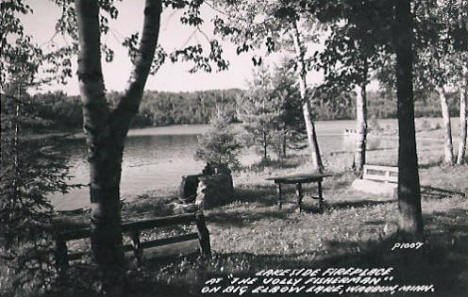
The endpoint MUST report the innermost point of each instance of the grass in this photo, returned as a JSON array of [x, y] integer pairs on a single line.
[[355, 229]]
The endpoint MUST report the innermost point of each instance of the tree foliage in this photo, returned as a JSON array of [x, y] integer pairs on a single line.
[[259, 111], [219, 146], [275, 26], [30, 169], [270, 111]]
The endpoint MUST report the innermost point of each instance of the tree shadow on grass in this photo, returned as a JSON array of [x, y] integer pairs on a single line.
[[264, 195], [438, 262], [356, 203], [249, 205], [442, 261], [246, 218], [287, 163], [312, 207], [431, 164], [429, 192]]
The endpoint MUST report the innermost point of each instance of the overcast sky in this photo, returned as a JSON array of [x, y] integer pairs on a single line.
[[171, 77]]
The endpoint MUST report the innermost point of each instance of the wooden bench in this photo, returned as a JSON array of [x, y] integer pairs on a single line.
[[298, 180], [379, 180], [387, 174], [382, 179], [133, 229]]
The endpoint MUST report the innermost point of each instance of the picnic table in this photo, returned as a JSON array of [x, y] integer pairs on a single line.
[[298, 180]]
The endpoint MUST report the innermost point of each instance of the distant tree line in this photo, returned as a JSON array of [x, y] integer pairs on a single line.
[[64, 112], [157, 108], [382, 104]]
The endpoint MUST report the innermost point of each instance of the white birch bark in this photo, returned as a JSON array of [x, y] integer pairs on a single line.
[[448, 145], [306, 106]]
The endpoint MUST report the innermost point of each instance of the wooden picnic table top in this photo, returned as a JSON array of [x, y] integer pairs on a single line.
[[299, 178]]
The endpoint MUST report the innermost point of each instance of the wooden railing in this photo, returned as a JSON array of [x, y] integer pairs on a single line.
[[133, 229]]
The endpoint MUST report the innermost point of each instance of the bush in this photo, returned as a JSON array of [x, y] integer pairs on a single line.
[[219, 146], [31, 170]]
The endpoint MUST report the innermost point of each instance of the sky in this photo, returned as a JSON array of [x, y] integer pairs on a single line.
[[171, 76]]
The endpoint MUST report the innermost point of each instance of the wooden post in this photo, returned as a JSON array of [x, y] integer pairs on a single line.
[[203, 235], [61, 257], [280, 201], [299, 196], [319, 188], [136, 246]]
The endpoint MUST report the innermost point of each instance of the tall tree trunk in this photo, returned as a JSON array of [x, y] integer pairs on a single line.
[[448, 145], [17, 101], [106, 129], [284, 139], [361, 128], [306, 107], [463, 126], [410, 222]]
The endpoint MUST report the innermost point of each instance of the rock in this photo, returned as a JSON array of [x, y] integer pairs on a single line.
[[179, 208], [386, 190], [188, 188], [214, 190]]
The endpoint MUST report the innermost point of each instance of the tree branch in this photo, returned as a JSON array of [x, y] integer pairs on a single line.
[[130, 101], [90, 78]]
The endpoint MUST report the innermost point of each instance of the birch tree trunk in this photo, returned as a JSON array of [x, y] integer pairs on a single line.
[[410, 222], [284, 140], [361, 128], [463, 126], [306, 107], [448, 145], [106, 129]]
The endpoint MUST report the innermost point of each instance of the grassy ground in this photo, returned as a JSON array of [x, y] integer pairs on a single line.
[[355, 229]]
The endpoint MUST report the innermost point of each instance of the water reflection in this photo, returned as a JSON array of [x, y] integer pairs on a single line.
[[150, 162], [156, 160]]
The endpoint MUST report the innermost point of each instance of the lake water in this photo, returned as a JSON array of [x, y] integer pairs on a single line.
[[157, 158]]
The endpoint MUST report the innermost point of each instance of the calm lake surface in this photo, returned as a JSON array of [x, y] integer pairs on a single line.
[[157, 158]]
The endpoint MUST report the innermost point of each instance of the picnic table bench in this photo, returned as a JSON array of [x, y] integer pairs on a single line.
[[298, 180], [134, 229]]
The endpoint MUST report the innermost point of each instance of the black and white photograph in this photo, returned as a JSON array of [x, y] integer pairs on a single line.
[[210, 148]]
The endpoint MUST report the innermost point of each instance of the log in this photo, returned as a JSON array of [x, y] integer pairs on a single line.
[[136, 247], [203, 235], [159, 222], [170, 240], [61, 257]]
